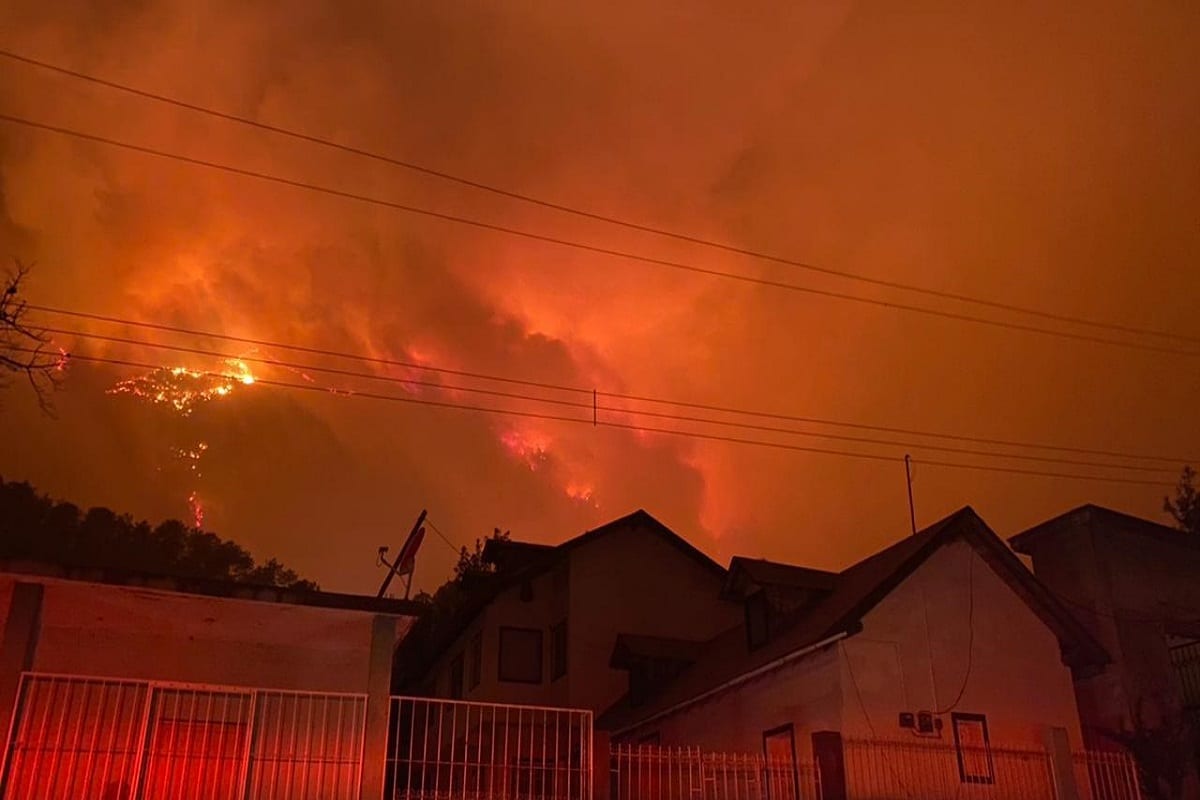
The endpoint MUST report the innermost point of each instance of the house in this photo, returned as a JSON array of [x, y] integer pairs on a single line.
[[118, 684], [942, 638], [542, 633], [1135, 585]]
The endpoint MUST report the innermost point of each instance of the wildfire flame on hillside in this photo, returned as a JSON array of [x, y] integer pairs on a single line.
[[183, 388]]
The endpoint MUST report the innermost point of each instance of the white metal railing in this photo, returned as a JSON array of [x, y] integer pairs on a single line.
[[651, 772], [449, 749], [1106, 775], [919, 770], [78, 738]]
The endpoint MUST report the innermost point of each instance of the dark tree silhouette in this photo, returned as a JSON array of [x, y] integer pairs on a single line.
[[1185, 508], [470, 574], [25, 350], [445, 609], [34, 527]]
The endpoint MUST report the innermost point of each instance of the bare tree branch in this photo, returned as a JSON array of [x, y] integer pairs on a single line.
[[24, 349]]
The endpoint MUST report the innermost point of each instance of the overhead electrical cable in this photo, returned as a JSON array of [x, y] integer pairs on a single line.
[[588, 392], [591, 421], [583, 246], [587, 214], [305, 368]]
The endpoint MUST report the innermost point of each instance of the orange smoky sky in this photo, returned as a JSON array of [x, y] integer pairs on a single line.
[[1038, 154]]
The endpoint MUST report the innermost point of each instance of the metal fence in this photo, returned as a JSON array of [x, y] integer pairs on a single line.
[[876, 770], [651, 772], [449, 749], [1101, 775], [76, 738]]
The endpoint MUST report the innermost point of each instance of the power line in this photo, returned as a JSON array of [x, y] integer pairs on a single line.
[[645, 428], [441, 536], [585, 391], [572, 404], [573, 210], [583, 246]]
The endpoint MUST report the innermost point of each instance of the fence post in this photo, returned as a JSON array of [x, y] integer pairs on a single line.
[[18, 646], [830, 758], [1058, 748], [379, 690], [601, 765]]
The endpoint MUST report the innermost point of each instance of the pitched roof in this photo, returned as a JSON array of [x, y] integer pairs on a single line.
[[630, 647], [857, 590], [533, 560], [1098, 517], [761, 572]]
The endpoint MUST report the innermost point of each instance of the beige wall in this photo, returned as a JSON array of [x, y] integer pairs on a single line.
[[805, 694], [633, 581], [1016, 678], [128, 632], [547, 607], [626, 581], [1121, 586]]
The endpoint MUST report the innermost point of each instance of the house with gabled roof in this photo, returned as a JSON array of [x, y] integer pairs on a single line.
[[944, 634], [542, 630]]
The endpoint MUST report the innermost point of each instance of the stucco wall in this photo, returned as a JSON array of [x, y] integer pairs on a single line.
[[805, 694], [633, 581], [627, 581], [1122, 585], [546, 608], [128, 632], [1016, 676]]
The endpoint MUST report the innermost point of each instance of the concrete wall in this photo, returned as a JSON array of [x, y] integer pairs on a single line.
[[1124, 587], [547, 607], [118, 631], [806, 694], [1016, 676], [626, 581], [633, 581]]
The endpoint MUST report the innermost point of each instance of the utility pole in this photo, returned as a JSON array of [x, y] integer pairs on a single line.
[[912, 514]]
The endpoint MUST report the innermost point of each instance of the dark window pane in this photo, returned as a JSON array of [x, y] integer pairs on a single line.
[[521, 655]]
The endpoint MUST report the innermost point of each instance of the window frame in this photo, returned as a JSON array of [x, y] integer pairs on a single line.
[[541, 655], [957, 717], [558, 646], [770, 733]]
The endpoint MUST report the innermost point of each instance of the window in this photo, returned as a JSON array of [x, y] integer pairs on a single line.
[[456, 677], [521, 655], [779, 748], [558, 650], [475, 670], [756, 620], [973, 748]]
